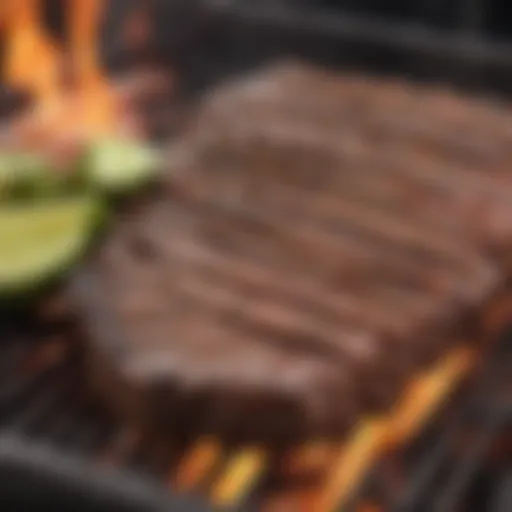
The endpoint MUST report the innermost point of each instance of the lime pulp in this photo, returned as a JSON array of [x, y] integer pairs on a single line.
[[38, 241]]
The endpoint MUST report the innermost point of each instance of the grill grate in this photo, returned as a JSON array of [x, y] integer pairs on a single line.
[[43, 404], [439, 483]]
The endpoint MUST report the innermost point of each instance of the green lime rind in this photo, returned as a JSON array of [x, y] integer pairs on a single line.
[[121, 166], [25, 175], [21, 174], [40, 242]]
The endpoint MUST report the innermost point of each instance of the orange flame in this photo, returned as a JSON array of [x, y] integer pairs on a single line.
[[96, 98], [35, 63], [32, 59]]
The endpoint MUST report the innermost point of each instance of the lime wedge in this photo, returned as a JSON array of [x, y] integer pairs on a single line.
[[21, 173], [38, 242], [118, 165]]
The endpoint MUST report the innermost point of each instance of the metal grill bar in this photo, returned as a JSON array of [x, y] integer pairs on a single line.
[[420, 488], [31, 473], [503, 499], [404, 37], [467, 468]]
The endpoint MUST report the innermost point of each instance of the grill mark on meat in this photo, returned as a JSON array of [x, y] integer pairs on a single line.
[[276, 325], [402, 126], [346, 258], [326, 247], [398, 105], [196, 369], [479, 200], [225, 271], [228, 270], [461, 212], [334, 140]]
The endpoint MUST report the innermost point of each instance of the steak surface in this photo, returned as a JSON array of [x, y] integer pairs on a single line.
[[317, 240]]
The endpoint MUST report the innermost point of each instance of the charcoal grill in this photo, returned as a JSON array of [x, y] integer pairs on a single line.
[[58, 446]]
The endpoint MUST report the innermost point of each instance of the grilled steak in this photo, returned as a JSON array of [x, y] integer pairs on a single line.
[[316, 241]]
